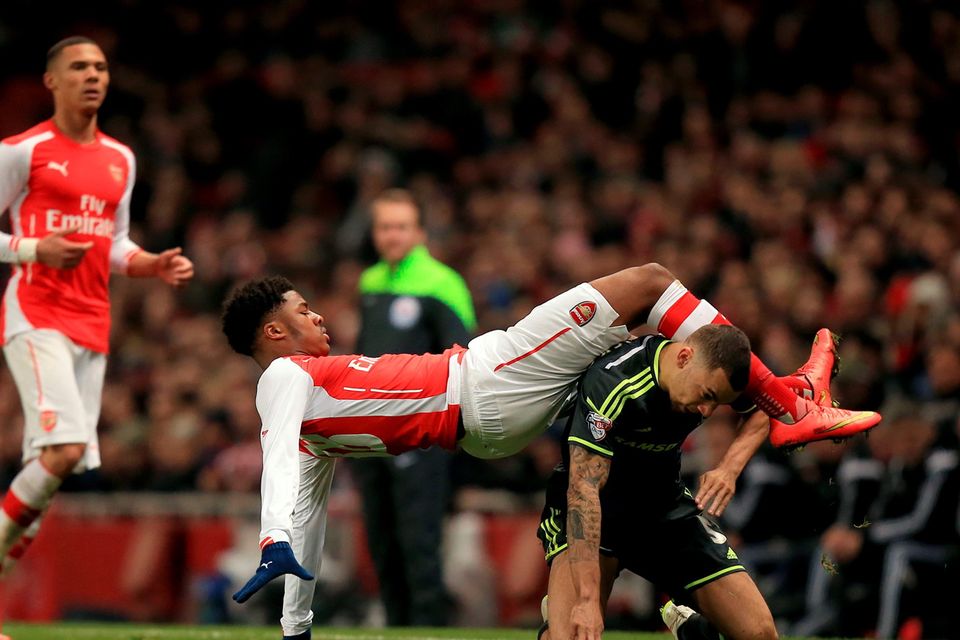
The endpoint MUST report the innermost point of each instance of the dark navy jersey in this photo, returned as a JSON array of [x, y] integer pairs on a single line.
[[622, 413]]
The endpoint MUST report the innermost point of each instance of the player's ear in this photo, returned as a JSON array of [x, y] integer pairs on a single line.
[[273, 330], [48, 80], [684, 356]]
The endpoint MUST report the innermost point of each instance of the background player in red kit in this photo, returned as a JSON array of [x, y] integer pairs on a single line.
[[491, 398], [68, 189]]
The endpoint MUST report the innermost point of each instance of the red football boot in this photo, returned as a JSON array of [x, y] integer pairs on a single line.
[[812, 380], [822, 423]]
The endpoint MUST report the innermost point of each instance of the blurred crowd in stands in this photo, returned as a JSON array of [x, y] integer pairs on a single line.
[[796, 163]]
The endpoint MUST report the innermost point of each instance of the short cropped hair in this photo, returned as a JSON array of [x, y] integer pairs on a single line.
[[725, 347], [54, 51], [246, 310], [400, 196]]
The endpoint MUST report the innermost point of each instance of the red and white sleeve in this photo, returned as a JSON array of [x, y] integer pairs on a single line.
[[282, 395], [123, 248], [14, 175]]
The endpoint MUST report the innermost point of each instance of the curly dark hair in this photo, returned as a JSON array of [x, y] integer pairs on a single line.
[[725, 347], [245, 311]]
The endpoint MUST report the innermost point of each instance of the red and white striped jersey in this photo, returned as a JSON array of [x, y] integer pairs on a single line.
[[51, 183], [357, 406]]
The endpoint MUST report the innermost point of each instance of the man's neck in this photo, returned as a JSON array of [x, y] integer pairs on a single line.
[[79, 127], [406, 258]]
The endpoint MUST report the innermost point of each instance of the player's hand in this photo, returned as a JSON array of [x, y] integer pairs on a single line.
[[841, 543], [277, 559], [54, 250], [173, 267], [717, 487], [586, 621]]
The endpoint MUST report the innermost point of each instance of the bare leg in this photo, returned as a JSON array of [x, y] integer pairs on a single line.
[[31, 491], [651, 295], [634, 291], [733, 604]]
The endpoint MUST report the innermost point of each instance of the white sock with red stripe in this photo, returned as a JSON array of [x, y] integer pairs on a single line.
[[678, 313], [20, 547], [28, 495]]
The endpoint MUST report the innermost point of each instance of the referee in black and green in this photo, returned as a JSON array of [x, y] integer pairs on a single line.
[[410, 303]]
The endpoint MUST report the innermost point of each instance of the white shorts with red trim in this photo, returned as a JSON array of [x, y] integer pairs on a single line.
[[60, 386], [515, 382]]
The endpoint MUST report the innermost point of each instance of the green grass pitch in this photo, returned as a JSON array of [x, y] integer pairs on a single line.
[[18, 631], [87, 631]]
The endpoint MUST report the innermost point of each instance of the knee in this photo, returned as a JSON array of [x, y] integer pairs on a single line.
[[649, 281], [61, 459], [634, 291], [657, 275], [748, 626], [763, 629]]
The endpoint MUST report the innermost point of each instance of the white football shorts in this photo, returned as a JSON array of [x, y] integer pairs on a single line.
[[60, 386], [515, 382]]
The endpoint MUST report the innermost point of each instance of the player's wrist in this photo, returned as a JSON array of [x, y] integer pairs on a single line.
[[272, 536], [27, 250]]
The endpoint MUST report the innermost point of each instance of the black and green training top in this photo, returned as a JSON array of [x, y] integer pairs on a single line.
[[419, 306], [622, 413]]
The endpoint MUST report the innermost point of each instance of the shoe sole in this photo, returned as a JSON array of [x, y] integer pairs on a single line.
[[829, 432]]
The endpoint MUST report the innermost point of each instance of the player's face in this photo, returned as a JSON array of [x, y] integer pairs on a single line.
[[395, 230], [79, 78], [304, 327], [697, 389]]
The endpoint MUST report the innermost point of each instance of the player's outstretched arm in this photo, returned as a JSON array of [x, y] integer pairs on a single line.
[[588, 474], [718, 485], [171, 266], [276, 559]]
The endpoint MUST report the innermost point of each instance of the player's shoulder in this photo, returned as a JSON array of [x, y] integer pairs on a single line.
[[286, 370], [374, 277], [443, 270], [627, 366], [38, 132], [629, 356], [112, 143], [439, 273]]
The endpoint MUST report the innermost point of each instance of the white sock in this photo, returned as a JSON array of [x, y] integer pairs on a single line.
[[29, 494], [20, 547]]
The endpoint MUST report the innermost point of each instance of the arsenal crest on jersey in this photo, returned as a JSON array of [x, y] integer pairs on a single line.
[[116, 172], [48, 420], [583, 312], [599, 426]]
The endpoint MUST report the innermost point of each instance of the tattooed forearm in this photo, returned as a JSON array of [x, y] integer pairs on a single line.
[[588, 474]]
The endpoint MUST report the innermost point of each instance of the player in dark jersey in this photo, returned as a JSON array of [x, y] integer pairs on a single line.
[[490, 399], [635, 406]]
